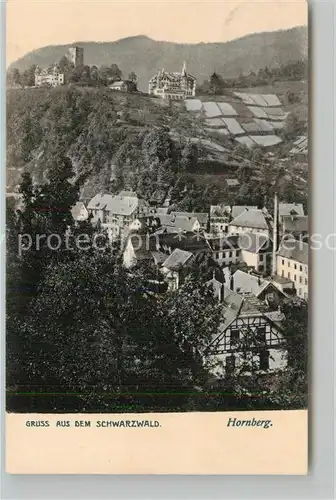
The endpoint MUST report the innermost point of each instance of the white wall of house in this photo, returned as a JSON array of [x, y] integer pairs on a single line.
[[278, 360], [296, 272], [232, 229], [226, 257]]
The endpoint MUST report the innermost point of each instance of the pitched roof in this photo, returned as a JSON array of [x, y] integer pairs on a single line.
[[251, 218], [290, 208], [177, 259], [238, 209], [192, 242], [117, 84], [201, 216], [232, 182], [77, 209], [159, 257], [223, 243], [295, 224], [124, 203], [294, 250], [177, 223], [254, 243], [246, 283]]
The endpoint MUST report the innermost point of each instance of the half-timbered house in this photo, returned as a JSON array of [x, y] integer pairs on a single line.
[[249, 331]]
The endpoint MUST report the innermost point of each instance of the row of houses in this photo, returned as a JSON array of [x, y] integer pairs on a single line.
[[247, 239], [249, 273]]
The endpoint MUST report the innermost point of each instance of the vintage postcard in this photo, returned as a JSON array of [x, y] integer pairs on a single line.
[[157, 237]]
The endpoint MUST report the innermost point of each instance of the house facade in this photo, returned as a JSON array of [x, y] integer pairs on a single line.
[[123, 86], [292, 264], [170, 85], [175, 266], [252, 221], [249, 339], [225, 250], [256, 251], [117, 212]]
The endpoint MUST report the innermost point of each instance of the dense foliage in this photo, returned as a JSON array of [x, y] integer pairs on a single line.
[[292, 71], [82, 333]]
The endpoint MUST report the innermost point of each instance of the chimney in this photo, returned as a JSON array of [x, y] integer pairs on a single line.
[[275, 234], [221, 293]]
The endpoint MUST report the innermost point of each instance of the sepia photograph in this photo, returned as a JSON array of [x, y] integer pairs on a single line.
[[157, 207]]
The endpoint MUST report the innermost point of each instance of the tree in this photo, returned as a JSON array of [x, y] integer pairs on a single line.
[[65, 64], [189, 157], [13, 77], [216, 83], [111, 343], [115, 72], [244, 173], [94, 73], [132, 77], [292, 126], [28, 76]]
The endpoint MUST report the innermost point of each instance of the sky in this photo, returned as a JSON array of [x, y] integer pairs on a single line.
[[32, 24]]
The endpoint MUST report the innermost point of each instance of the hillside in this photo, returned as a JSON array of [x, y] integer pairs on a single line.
[[145, 56], [128, 141]]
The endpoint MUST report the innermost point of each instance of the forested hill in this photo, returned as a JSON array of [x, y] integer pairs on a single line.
[[145, 56], [121, 141], [115, 141]]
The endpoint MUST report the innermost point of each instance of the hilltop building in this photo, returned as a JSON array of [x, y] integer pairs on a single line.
[[170, 85], [49, 76], [123, 86], [76, 56]]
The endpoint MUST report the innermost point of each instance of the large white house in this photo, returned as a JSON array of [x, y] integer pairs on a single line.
[[292, 264], [117, 212], [252, 221], [170, 85]]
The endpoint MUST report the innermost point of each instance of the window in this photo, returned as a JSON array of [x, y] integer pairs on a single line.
[[295, 266], [283, 273], [288, 264], [300, 279], [234, 334], [230, 254], [261, 256], [301, 268], [289, 277], [306, 281], [294, 277], [300, 292], [261, 332], [264, 360]]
